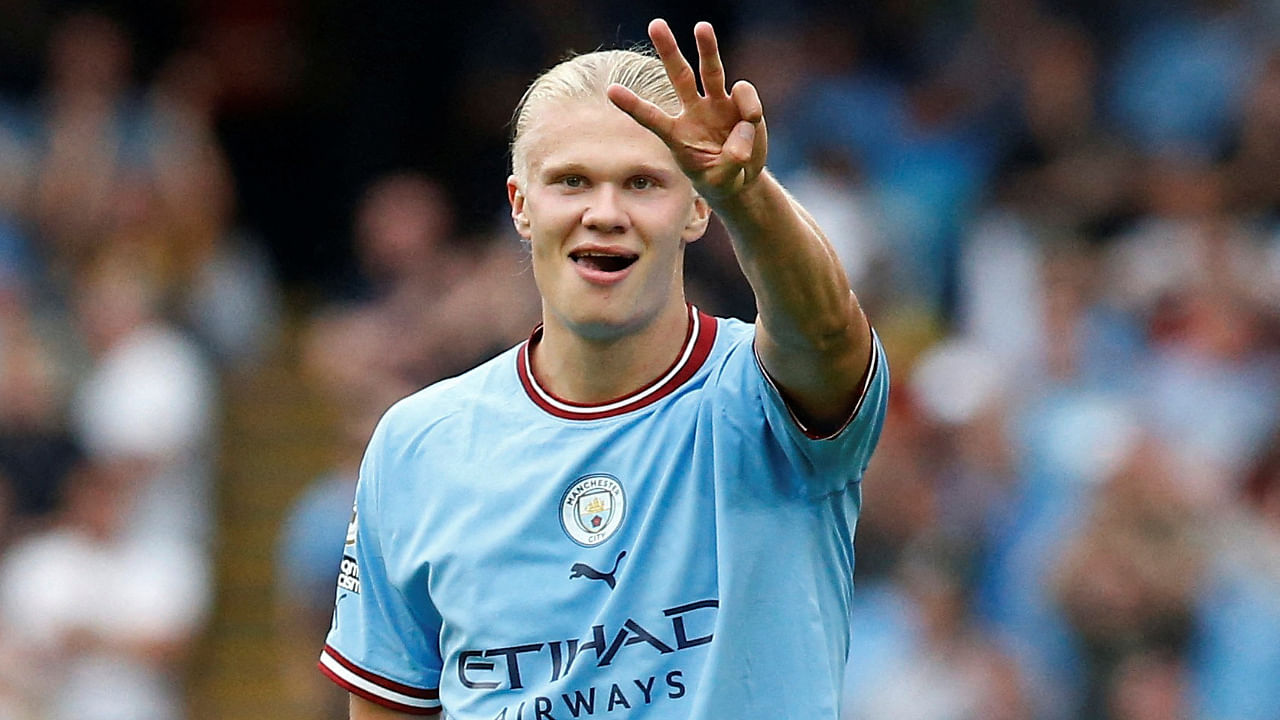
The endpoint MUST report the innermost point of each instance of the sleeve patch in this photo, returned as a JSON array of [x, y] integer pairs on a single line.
[[349, 575]]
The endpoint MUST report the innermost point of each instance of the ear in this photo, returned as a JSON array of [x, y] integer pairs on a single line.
[[699, 217], [515, 196]]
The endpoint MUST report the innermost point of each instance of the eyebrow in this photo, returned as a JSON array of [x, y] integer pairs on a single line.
[[557, 169]]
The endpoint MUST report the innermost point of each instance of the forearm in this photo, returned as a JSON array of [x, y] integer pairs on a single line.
[[801, 289], [811, 335]]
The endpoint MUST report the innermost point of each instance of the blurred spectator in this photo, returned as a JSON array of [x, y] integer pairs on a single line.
[[928, 145], [149, 399], [102, 162], [218, 277], [97, 621], [1181, 78], [1191, 272], [1068, 390], [1039, 303], [1066, 172], [939, 666], [1127, 580], [403, 238], [88, 127], [433, 304], [958, 390]]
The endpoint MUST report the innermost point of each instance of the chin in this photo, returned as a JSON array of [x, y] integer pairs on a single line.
[[597, 319], [603, 326]]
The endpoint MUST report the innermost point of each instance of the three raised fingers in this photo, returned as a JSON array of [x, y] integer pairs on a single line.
[[678, 68]]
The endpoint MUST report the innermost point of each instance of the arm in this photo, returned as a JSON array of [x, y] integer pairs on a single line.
[[812, 338], [811, 335]]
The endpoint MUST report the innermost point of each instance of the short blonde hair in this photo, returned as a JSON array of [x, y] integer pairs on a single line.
[[586, 77]]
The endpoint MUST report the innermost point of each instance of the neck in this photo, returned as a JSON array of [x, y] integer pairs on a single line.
[[583, 369]]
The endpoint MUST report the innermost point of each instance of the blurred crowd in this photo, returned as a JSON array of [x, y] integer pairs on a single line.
[[126, 288], [1063, 218]]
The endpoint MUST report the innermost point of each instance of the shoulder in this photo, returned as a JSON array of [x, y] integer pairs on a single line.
[[731, 336], [732, 331]]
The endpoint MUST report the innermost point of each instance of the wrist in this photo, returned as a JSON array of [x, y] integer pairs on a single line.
[[739, 200]]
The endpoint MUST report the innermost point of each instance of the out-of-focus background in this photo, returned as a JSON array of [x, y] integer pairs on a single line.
[[231, 233]]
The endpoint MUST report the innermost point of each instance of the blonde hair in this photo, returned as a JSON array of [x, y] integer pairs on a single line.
[[586, 77]]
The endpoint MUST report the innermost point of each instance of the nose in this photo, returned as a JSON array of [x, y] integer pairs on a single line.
[[605, 212]]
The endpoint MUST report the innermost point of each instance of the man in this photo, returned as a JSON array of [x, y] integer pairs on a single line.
[[642, 509]]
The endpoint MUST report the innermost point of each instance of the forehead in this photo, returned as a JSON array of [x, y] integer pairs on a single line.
[[590, 133]]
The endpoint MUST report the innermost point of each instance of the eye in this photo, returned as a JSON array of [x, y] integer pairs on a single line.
[[573, 181], [641, 182]]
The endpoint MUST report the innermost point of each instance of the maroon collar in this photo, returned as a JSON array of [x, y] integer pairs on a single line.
[[697, 346]]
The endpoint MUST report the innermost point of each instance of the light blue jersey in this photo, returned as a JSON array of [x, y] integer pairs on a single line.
[[682, 552]]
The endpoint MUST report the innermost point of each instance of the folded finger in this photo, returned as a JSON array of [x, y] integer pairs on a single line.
[[747, 100], [740, 144], [678, 69]]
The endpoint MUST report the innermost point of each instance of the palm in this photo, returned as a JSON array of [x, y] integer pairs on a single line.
[[718, 139], [698, 136]]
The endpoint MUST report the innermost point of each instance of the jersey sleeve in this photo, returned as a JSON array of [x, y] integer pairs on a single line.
[[831, 462], [383, 644]]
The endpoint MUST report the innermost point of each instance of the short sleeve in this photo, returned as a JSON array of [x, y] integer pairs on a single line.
[[383, 645], [829, 463]]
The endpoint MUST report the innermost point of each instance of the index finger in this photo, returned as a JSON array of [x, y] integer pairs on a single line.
[[678, 69], [642, 111]]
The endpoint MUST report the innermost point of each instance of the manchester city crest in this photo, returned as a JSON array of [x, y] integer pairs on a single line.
[[593, 509]]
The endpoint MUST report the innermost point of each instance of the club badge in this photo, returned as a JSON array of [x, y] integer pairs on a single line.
[[593, 509]]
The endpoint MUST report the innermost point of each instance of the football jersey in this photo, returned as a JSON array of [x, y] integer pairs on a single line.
[[683, 552]]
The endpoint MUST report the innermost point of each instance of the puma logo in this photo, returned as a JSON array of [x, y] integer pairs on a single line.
[[584, 570]]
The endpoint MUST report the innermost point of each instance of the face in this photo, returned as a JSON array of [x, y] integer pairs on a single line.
[[607, 213]]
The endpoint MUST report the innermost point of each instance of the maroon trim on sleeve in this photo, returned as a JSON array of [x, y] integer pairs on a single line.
[[365, 694], [873, 366], [377, 681]]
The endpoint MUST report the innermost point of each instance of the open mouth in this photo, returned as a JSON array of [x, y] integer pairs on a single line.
[[603, 262]]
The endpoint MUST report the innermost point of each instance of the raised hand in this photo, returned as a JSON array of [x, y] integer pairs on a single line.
[[718, 139]]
